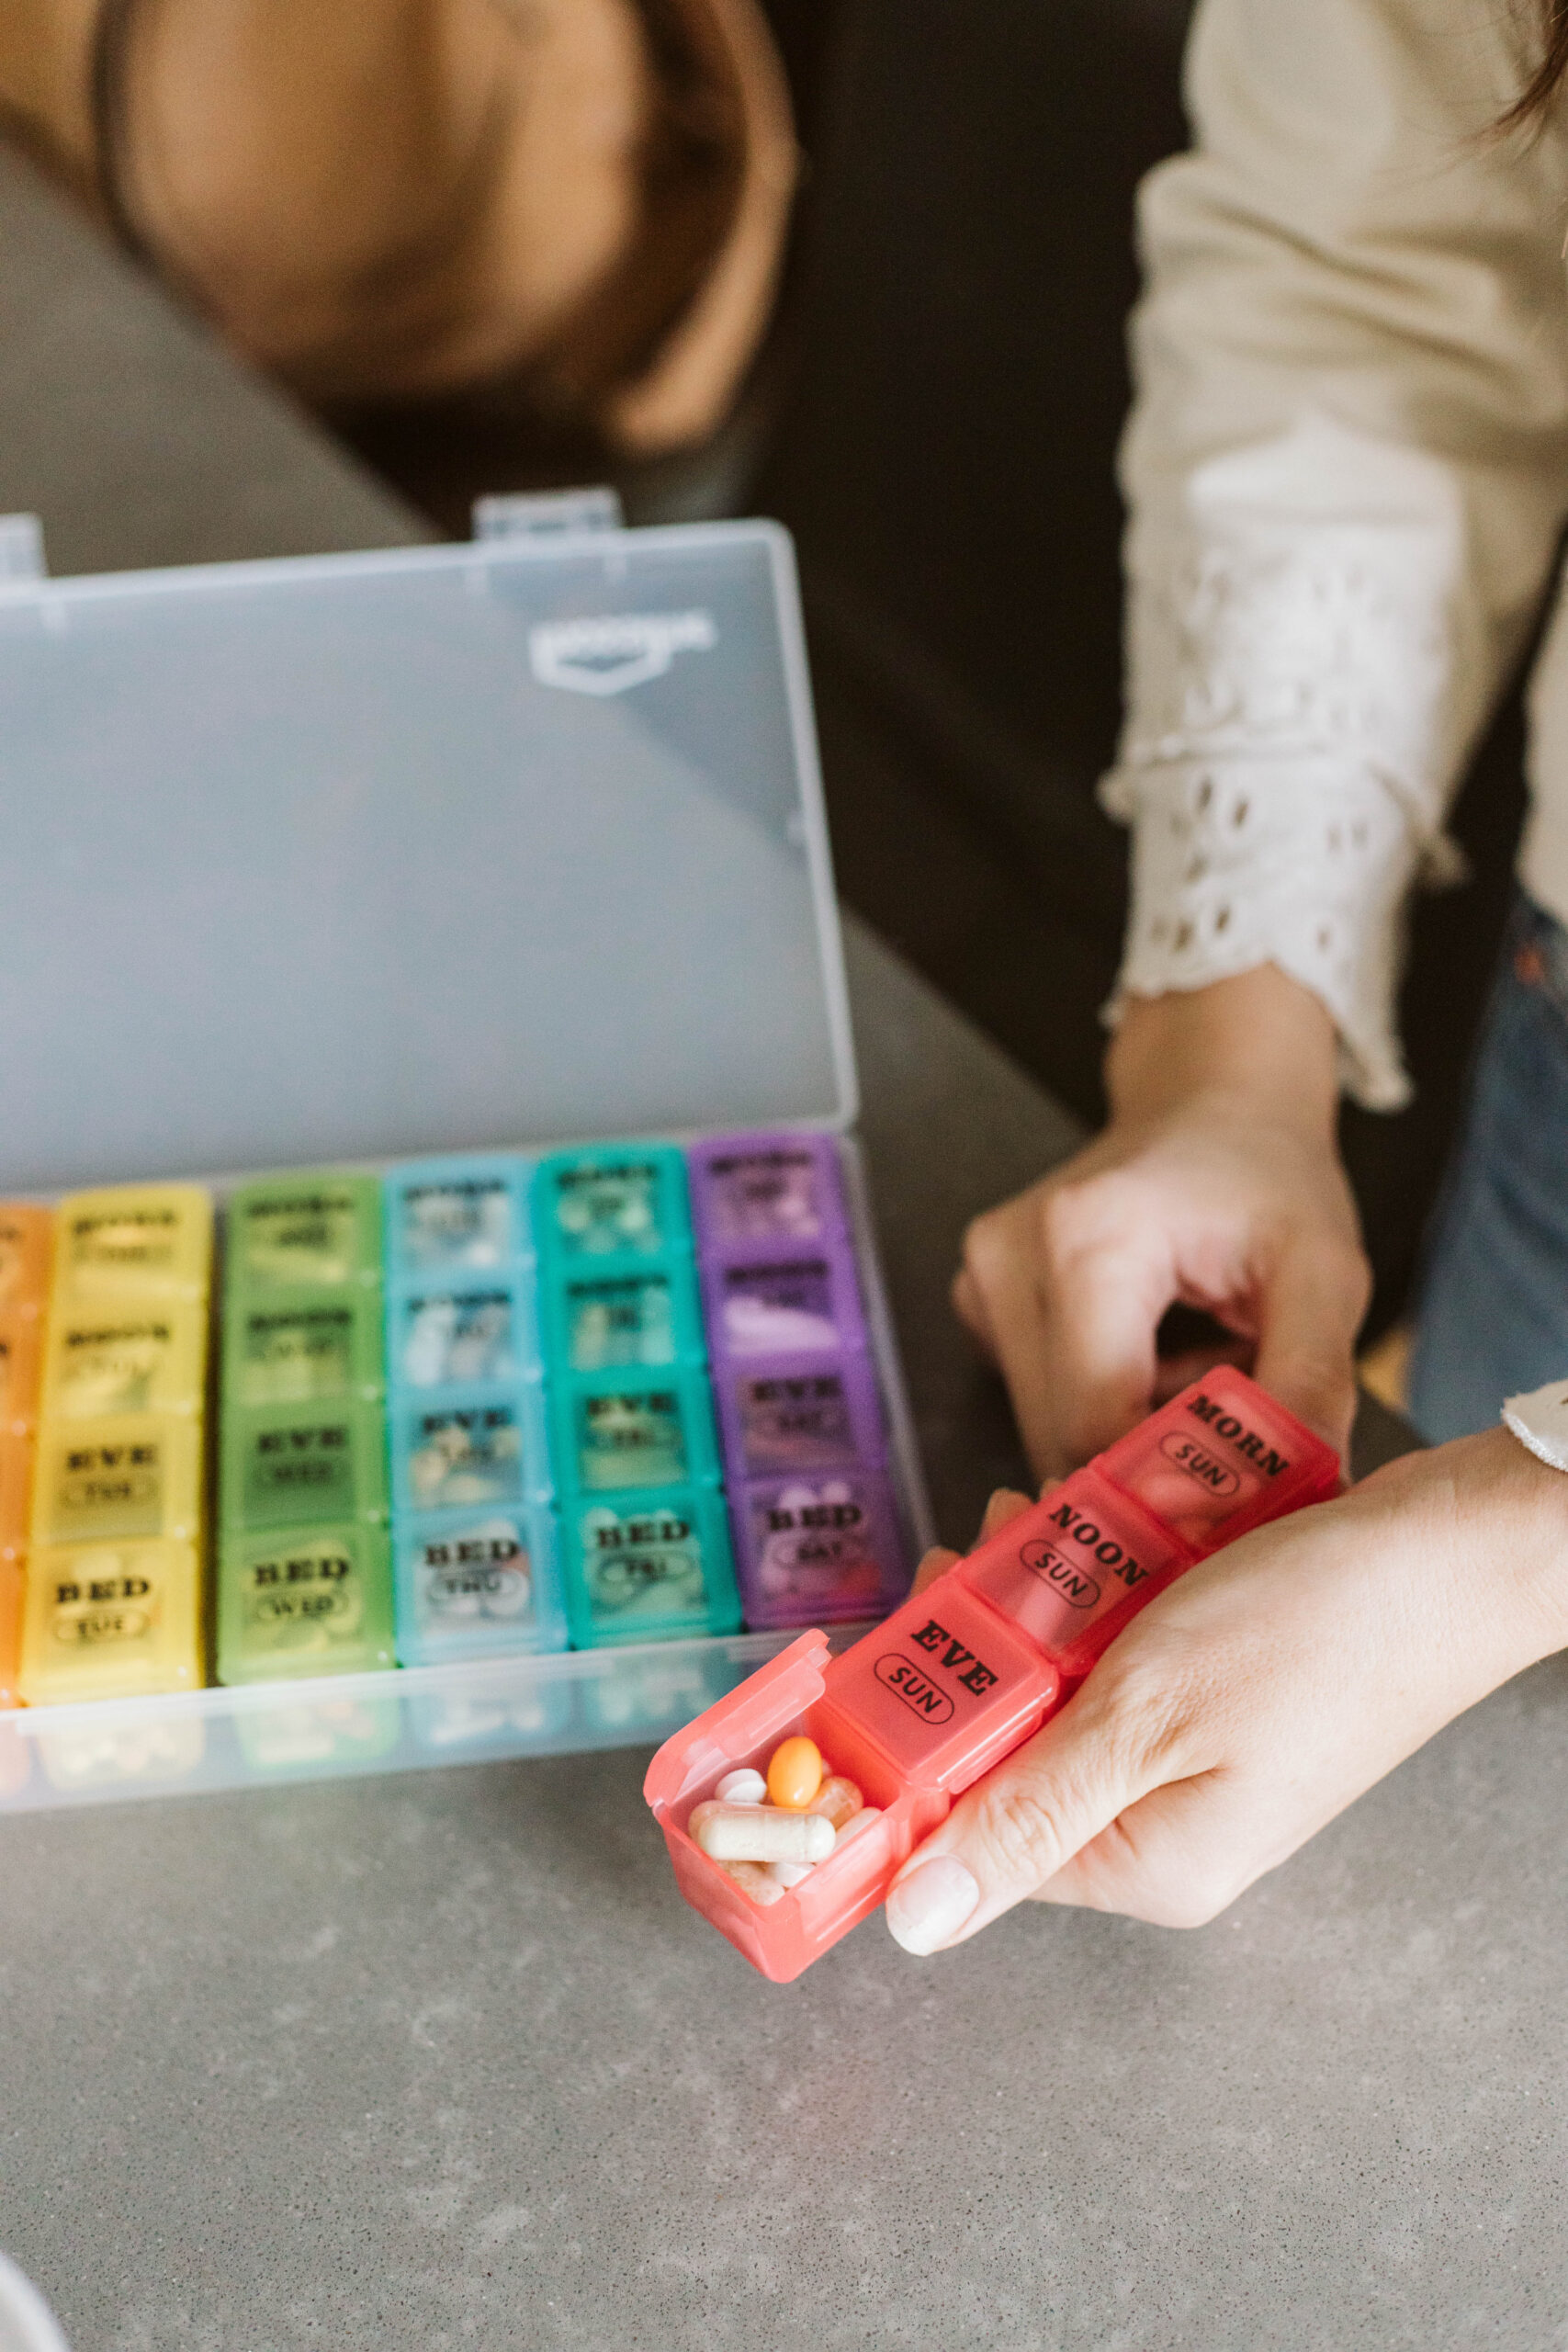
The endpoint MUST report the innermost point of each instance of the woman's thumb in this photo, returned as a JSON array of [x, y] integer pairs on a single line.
[[1016, 1827]]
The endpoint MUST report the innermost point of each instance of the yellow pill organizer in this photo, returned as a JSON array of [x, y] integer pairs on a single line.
[[105, 1358], [141, 1244], [503, 846], [114, 1596]]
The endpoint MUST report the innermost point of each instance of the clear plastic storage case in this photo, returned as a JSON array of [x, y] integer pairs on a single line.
[[361, 860]]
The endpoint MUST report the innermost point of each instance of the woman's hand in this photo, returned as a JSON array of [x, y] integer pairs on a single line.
[[1217, 1185], [1258, 1696]]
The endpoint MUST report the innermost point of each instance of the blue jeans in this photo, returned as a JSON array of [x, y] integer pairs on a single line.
[[1493, 1314]]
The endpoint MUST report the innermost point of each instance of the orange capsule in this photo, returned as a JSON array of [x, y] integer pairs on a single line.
[[795, 1774]]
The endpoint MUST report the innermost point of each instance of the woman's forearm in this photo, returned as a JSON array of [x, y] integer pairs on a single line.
[[1259, 1037], [1497, 1518]]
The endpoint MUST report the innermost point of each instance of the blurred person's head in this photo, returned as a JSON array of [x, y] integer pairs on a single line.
[[1552, 65], [578, 203]]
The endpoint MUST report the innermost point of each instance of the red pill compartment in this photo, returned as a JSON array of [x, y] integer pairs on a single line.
[[942, 1688], [1086, 1554], [1221, 1458], [782, 1698]]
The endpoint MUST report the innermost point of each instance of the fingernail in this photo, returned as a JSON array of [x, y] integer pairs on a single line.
[[930, 1904]]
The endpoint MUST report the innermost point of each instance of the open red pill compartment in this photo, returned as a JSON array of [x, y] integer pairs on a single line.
[[964, 1672]]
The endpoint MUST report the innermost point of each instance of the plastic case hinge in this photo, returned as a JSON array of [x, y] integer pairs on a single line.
[[21, 548], [537, 514]]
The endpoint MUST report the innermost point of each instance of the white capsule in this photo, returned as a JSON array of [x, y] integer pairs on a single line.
[[741, 1787], [857, 1822], [790, 1873], [760, 1833]]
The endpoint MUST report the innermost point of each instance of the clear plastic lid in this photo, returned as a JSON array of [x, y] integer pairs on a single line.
[[357, 857]]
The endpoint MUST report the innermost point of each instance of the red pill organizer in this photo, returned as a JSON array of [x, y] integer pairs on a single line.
[[959, 1676]]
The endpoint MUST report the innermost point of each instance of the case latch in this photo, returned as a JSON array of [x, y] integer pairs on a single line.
[[547, 513], [21, 548]]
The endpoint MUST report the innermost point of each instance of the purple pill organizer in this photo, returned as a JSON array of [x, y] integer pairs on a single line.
[[824, 1547], [801, 1416], [764, 1194]]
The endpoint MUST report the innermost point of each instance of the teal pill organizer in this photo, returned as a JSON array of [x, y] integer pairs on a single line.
[[650, 1567], [617, 1204], [616, 1431], [631, 1413], [638, 1318], [479, 1583], [450, 1219]]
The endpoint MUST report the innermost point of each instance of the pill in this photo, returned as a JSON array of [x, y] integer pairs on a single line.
[[837, 1800], [757, 1879], [795, 1774], [857, 1822], [790, 1873], [744, 1787], [760, 1833]]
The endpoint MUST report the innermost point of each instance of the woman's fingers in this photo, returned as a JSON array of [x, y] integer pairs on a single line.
[[1013, 1832], [936, 1562], [1005, 1504], [1314, 1301], [1067, 1284], [969, 1305], [1217, 1185]]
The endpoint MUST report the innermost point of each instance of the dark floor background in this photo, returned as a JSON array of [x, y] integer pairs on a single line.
[[936, 418]]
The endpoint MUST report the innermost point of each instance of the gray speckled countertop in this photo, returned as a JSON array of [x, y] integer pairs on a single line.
[[442, 2060]]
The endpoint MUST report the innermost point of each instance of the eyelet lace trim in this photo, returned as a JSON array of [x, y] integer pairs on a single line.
[[1297, 672], [1238, 861]]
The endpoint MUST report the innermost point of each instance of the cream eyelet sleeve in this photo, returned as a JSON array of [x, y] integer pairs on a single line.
[[1346, 472]]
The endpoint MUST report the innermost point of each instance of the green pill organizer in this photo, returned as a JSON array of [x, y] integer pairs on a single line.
[[297, 1347], [304, 1582], [378, 837], [304, 1601], [318, 1231], [291, 1466]]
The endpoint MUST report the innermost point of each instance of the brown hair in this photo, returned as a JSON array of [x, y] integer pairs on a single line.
[[1540, 89]]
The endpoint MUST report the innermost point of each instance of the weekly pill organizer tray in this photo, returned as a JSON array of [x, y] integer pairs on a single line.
[[510, 848]]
